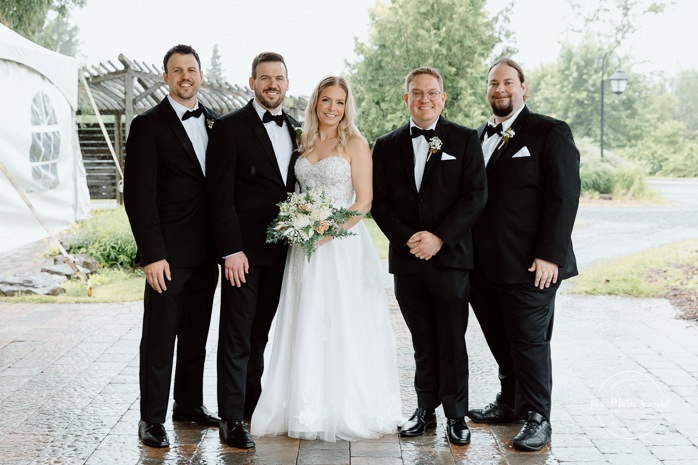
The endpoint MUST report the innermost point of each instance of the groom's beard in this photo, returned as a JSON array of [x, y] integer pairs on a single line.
[[268, 103], [502, 106]]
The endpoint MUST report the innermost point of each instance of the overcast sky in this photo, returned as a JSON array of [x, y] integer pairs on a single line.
[[316, 37]]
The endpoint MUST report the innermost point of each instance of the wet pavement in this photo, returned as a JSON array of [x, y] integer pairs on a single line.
[[625, 373]]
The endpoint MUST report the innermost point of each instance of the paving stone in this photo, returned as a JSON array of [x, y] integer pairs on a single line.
[[676, 452]]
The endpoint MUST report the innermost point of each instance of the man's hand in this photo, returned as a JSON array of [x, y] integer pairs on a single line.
[[546, 273], [424, 245], [236, 267], [156, 273]]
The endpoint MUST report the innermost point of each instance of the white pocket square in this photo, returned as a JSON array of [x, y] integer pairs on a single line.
[[445, 156], [522, 153]]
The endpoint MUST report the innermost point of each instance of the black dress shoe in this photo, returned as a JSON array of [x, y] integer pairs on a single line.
[[496, 412], [200, 415], [152, 434], [458, 432], [419, 422], [535, 434], [235, 434]]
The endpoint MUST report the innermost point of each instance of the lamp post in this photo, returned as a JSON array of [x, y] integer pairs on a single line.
[[618, 80]]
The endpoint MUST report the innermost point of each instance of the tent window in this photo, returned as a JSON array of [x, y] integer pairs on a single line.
[[46, 144]]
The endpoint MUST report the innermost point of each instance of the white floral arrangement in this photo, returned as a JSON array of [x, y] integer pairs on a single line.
[[434, 146], [305, 218], [506, 135]]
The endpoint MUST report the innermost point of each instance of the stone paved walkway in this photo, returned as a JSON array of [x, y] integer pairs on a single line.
[[626, 392], [625, 371]]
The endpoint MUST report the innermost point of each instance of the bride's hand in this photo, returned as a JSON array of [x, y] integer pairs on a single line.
[[322, 241]]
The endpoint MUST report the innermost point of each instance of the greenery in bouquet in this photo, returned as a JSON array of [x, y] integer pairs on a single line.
[[305, 218]]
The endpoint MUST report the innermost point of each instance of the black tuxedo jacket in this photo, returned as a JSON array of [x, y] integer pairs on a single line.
[[244, 184], [532, 201], [164, 190], [452, 195]]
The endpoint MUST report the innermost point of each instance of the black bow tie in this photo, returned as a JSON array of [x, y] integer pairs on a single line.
[[278, 119], [427, 133], [490, 130], [192, 114]]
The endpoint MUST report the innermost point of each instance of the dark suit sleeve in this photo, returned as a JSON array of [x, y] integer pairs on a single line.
[[140, 191], [387, 219], [221, 161], [560, 167], [473, 194]]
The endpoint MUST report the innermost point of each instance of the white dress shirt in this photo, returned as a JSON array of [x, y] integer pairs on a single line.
[[490, 143], [195, 129], [420, 147], [280, 139]]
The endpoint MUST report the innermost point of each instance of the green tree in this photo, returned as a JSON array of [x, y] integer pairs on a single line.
[[214, 73], [454, 36], [60, 36], [42, 21], [685, 89]]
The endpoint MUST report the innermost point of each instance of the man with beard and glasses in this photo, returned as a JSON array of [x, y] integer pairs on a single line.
[[164, 196], [523, 250], [250, 160]]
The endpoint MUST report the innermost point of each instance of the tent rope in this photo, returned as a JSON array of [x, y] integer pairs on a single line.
[[64, 252], [101, 125]]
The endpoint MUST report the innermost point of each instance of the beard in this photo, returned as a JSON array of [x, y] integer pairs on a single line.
[[501, 107], [185, 93], [267, 103]]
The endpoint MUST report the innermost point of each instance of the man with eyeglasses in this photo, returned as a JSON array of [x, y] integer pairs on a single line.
[[429, 187]]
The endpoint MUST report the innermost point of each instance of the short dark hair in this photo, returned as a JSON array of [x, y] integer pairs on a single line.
[[182, 50], [511, 63], [266, 57]]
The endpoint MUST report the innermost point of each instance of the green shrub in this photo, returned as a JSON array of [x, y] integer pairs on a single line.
[[106, 237], [610, 175]]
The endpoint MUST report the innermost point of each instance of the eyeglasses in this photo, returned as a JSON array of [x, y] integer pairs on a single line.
[[418, 94]]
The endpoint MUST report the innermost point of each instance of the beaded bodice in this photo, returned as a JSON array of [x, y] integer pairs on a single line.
[[332, 173]]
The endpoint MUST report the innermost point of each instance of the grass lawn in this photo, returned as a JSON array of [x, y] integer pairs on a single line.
[[120, 286], [669, 271]]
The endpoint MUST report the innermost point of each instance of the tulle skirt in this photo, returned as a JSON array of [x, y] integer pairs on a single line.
[[333, 372]]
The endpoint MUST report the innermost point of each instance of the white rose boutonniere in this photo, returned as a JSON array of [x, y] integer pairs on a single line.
[[434, 146], [508, 134], [209, 122]]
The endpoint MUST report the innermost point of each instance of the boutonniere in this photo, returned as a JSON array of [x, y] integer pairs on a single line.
[[434, 146], [299, 132], [508, 134], [209, 122]]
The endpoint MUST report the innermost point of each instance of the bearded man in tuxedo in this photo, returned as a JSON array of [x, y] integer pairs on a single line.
[[429, 187], [250, 159], [523, 250], [164, 185]]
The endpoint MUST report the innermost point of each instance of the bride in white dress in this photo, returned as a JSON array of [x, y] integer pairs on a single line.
[[333, 369]]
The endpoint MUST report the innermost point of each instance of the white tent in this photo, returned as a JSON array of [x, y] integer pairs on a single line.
[[38, 141]]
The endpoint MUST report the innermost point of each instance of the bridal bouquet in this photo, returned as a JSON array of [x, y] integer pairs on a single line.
[[305, 218]]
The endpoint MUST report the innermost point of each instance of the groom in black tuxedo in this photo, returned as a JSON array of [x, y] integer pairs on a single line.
[[523, 250], [250, 160], [164, 192], [429, 186]]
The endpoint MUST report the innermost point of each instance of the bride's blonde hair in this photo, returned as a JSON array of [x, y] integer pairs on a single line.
[[347, 126]]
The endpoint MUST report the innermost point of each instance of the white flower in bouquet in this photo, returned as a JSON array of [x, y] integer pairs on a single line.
[[307, 217]]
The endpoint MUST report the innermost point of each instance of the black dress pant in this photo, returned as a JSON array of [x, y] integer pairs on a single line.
[[434, 304], [517, 321], [181, 313], [246, 316]]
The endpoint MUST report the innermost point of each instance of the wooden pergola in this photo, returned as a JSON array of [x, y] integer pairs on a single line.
[[128, 88]]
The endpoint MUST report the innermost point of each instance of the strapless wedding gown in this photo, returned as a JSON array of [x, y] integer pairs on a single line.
[[333, 368]]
